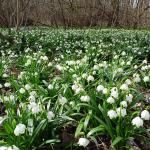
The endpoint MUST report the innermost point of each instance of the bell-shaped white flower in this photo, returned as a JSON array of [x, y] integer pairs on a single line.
[[63, 100], [83, 142], [22, 91], [85, 98], [110, 100], [124, 87], [137, 121], [27, 87], [112, 114], [100, 88], [20, 129], [129, 98], [145, 115], [114, 92], [50, 86], [50, 115], [121, 112], [90, 78], [128, 82], [146, 79], [123, 104]]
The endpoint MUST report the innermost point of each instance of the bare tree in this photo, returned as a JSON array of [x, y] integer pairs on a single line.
[[124, 13]]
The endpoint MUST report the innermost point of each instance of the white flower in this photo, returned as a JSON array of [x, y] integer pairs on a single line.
[[146, 79], [36, 74], [72, 103], [145, 115], [50, 115], [1, 86], [129, 63], [20, 129], [32, 98], [5, 75], [105, 91], [74, 76], [6, 98], [7, 84], [124, 104], [22, 91], [128, 82], [121, 112], [135, 67], [58, 67], [85, 98], [144, 62], [28, 62], [122, 63], [84, 75], [35, 108], [123, 53], [94, 72], [39, 62], [27, 87], [6, 148], [119, 70], [129, 98], [116, 57], [114, 92], [50, 86], [137, 121], [110, 100], [45, 58], [21, 75], [50, 64], [90, 78], [78, 90], [12, 97], [136, 78], [124, 87], [33, 93], [63, 100], [112, 114], [96, 67], [74, 87], [100, 88], [83, 142], [3, 148], [144, 68], [15, 147]]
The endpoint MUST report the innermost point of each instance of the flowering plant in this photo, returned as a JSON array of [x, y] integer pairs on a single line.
[[82, 87]]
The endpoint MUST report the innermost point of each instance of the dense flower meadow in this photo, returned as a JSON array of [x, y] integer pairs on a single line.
[[75, 89]]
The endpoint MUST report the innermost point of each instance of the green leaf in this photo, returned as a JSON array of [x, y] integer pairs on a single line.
[[108, 124], [50, 142], [67, 118], [86, 121], [95, 130], [86, 105], [2, 134], [2, 143], [78, 130], [116, 140], [8, 128], [36, 132]]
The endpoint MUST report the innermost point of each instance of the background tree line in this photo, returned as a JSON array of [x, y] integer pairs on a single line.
[[75, 13]]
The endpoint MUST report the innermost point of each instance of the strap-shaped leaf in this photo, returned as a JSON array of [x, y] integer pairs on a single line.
[[116, 140], [78, 130], [95, 130]]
